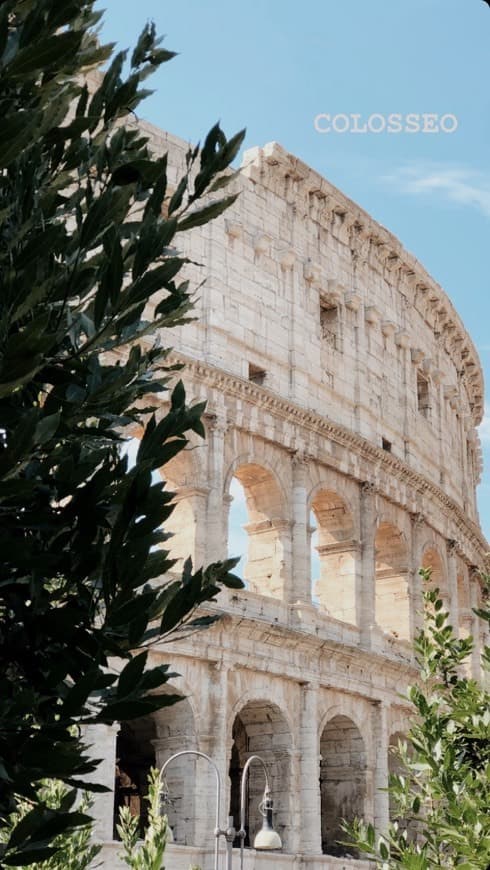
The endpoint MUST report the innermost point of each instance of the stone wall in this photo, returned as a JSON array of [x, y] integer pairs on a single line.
[[340, 386]]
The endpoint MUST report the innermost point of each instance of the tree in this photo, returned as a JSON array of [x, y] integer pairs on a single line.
[[89, 273], [441, 797]]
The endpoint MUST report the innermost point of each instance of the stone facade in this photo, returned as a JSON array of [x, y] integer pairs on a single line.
[[343, 394]]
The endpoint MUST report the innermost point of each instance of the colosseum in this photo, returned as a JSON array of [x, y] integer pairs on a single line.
[[343, 398]]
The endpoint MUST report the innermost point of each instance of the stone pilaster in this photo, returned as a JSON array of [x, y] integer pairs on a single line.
[[416, 583], [452, 585], [216, 525], [193, 538], [309, 803], [301, 571], [476, 670], [213, 740], [368, 534], [381, 806], [102, 740]]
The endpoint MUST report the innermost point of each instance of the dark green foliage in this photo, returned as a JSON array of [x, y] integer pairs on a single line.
[[442, 796], [74, 849], [89, 235]]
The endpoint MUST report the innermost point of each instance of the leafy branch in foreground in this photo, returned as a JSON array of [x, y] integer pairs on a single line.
[[441, 797], [147, 854], [90, 272], [76, 849]]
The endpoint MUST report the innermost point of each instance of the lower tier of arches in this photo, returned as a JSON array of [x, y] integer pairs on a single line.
[[328, 753]]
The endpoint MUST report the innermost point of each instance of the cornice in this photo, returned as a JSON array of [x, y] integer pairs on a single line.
[[269, 657], [284, 174], [285, 409]]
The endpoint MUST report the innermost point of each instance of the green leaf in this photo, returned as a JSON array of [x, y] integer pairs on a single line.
[[204, 215], [131, 675], [47, 427], [45, 53]]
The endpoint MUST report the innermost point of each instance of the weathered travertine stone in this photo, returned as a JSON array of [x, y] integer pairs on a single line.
[[343, 395]]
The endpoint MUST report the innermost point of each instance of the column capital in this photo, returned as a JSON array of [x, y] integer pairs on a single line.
[[216, 422], [310, 685], [301, 459], [368, 487], [453, 547], [339, 547], [417, 519], [189, 491]]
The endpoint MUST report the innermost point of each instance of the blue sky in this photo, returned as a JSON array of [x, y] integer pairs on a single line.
[[273, 65]]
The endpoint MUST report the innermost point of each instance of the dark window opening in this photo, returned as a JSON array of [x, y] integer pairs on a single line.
[[256, 374], [329, 323], [386, 445], [423, 397], [135, 756]]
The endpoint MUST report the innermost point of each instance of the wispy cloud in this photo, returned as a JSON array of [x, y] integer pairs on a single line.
[[461, 185], [484, 427]]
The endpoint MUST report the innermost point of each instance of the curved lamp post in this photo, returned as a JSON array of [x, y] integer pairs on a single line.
[[266, 839]]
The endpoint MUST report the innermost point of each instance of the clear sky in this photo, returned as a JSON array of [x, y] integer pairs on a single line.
[[274, 65]]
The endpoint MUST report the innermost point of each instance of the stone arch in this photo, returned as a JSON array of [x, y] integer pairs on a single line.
[[259, 727], [392, 606], [268, 564], [339, 555], [185, 477], [336, 484], [343, 780], [433, 559], [257, 693], [251, 458]]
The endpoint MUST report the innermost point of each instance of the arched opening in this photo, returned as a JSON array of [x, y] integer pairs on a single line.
[[392, 601], [338, 555], [433, 560], [237, 520], [185, 524], [342, 782], [135, 755], [182, 525], [261, 729], [149, 742], [259, 501], [314, 559]]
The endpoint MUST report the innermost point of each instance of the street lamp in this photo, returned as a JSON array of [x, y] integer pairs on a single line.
[[266, 839]]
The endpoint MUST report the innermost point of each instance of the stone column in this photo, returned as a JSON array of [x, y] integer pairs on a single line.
[[452, 585], [416, 584], [301, 579], [193, 538], [180, 778], [216, 524], [213, 740], [368, 559], [102, 740], [310, 802], [293, 758], [381, 776], [476, 670]]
